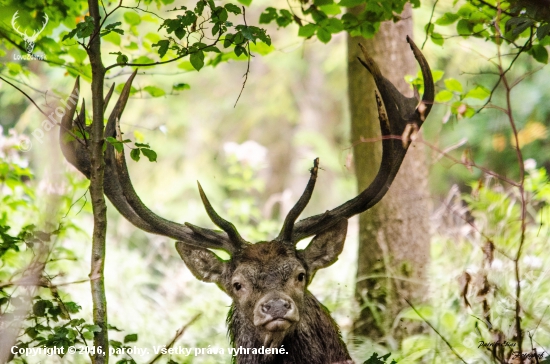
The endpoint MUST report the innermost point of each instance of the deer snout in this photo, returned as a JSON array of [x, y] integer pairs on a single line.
[[275, 312], [277, 308]]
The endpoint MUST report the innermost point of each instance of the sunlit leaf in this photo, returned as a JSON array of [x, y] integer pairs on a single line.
[[154, 91]]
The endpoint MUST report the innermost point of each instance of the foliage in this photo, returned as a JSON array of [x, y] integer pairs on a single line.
[[192, 33], [475, 245], [375, 359], [524, 25], [322, 18]]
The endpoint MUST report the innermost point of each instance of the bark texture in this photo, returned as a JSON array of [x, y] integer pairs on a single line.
[[101, 339], [394, 235]]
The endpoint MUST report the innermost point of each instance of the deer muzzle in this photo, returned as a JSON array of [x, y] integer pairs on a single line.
[[275, 311]]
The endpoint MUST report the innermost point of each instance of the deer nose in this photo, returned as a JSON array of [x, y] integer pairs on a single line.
[[276, 308]]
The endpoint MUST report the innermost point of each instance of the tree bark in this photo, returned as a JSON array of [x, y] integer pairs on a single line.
[[101, 339], [394, 235]]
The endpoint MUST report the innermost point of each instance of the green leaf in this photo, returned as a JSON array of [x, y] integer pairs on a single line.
[[180, 33], [232, 8], [285, 18], [149, 153], [322, 2], [186, 65], [437, 38], [540, 53], [307, 30], [261, 48], [92, 328], [122, 59], [447, 19], [334, 25], [130, 338], [518, 25], [84, 29], [112, 37], [324, 35], [543, 31], [143, 60], [466, 9], [142, 145], [245, 2], [134, 154], [443, 96], [180, 87], [72, 307], [479, 92], [39, 308], [437, 75], [132, 18], [211, 49], [163, 46], [154, 91], [463, 27], [453, 85], [197, 60], [115, 143], [78, 54], [240, 50], [132, 46], [268, 15], [332, 9]]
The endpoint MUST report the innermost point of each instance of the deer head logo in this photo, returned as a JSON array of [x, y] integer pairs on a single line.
[[29, 40]]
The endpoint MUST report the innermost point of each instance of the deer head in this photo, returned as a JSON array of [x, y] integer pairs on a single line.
[[267, 280], [30, 40]]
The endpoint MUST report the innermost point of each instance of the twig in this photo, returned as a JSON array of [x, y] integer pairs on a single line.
[[39, 109], [469, 164], [179, 333], [247, 64], [521, 188], [74, 203], [437, 332], [429, 23]]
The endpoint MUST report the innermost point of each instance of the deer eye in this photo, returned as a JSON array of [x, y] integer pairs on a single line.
[[237, 286], [301, 277]]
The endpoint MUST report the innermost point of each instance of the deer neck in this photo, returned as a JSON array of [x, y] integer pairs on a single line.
[[316, 339]]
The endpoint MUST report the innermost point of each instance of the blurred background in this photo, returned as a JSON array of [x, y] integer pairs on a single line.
[[251, 153]]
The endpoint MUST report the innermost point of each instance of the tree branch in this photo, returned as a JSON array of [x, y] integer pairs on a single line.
[[101, 339]]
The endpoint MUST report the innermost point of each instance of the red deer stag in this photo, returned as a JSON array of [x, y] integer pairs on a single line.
[[267, 281]]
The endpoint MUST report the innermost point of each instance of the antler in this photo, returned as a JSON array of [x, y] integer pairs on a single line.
[[15, 27], [288, 226], [35, 34], [395, 112], [399, 112], [118, 187]]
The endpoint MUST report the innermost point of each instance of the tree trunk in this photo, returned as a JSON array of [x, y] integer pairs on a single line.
[[394, 235], [101, 338]]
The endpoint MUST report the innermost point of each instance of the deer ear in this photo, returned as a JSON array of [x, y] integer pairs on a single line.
[[205, 265], [325, 247]]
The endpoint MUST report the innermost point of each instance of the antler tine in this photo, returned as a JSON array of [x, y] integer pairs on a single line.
[[45, 22], [14, 26], [223, 224], [108, 97], [399, 111], [288, 226], [117, 184], [68, 143], [429, 89]]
